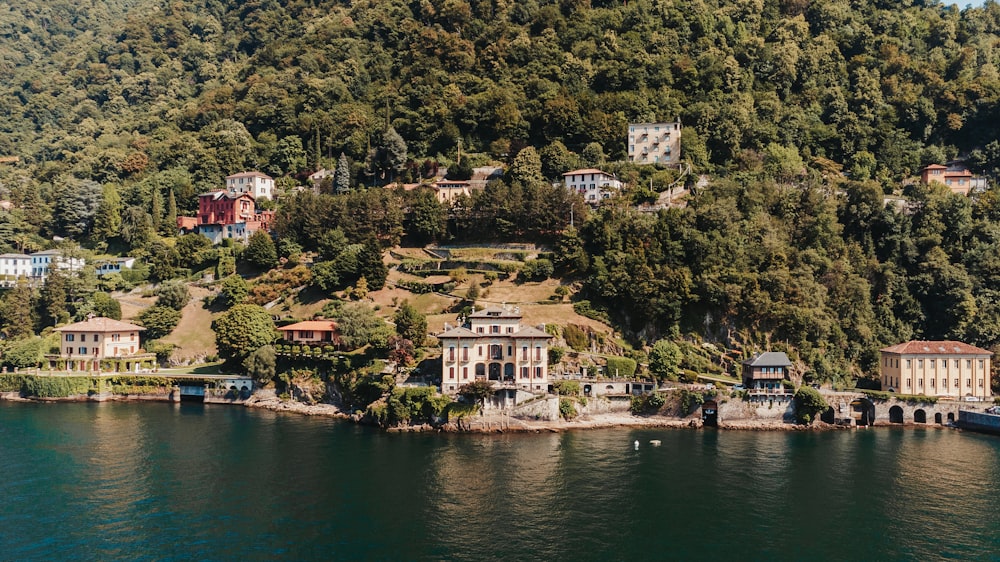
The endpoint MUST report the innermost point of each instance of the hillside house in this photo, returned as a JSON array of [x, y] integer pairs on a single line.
[[652, 143], [43, 262], [955, 177], [311, 332], [227, 214], [100, 344], [14, 267], [447, 191], [492, 345], [764, 375], [260, 186], [592, 184], [115, 265]]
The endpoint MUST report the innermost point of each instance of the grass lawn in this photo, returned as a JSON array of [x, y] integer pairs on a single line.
[[193, 335]]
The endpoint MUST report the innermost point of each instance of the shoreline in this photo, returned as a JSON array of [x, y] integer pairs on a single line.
[[486, 425]]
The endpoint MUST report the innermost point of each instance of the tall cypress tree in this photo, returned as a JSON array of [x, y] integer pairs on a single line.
[[170, 223], [157, 210], [342, 176]]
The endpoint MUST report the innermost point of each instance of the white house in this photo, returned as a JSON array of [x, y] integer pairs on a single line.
[[494, 346], [12, 267], [42, 262], [593, 184], [255, 183], [115, 265]]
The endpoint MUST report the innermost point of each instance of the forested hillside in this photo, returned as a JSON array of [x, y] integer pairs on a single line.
[[121, 111]]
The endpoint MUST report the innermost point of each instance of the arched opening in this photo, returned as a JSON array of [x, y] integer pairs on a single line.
[[828, 416], [710, 413], [494, 371], [508, 372], [951, 417], [480, 371], [895, 415], [937, 418], [919, 416], [863, 411]]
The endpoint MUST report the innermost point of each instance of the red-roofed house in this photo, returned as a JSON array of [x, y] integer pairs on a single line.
[[311, 331], [101, 343], [593, 184], [937, 368], [227, 214], [957, 179]]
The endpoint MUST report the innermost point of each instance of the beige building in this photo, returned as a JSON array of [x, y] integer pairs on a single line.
[[311, 332], [937, 368], [260, 186], [652, 143], [494, 346], [88, 345]]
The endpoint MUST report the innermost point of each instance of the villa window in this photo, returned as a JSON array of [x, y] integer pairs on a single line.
[[494, 329], [932, 364], [69, 351], [480, 351], [524, 352], [956, 383], [909, 363], [510, 329], [451, 353], [82, 351], [968, 382], [116, 337], [538, 372], [465, 373], [70, 337], [465, 354], [907, 383], [451, 372], [956, 363], [920, 363], [980, 364], [538, 353], [510, 351], [479, 330], [932, 382], [968, 363], [83, 337], [920, 383], [980, 383]]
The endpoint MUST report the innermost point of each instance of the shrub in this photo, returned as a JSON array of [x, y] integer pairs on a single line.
[[537, 270], [809, 403], [621, 367], [584, 308], [566, 408], [575, 337], [690, 400], [567, 388]]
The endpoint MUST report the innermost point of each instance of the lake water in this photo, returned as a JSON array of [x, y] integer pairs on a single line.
[[172, 482]]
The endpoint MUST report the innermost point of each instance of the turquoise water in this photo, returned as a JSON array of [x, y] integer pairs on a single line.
[[167, 482]]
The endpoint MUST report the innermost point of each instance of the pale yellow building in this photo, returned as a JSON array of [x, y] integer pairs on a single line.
[[494, 346], [654, 143], [101, 343], [937, 368]]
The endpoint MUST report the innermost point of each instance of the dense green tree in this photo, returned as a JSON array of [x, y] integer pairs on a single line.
[[664, 360], [159, 321], [233, 290], [105, 305], [410, 323], [342, 175], [261, 365], [16, 311], [173, 294], [241, 331], [136, 227], [260, 251], [357, 323], [108, 220], [24, 353], [428, 218]]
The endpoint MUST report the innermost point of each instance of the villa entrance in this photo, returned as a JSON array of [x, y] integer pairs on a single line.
[[494, 371], [710, 413]]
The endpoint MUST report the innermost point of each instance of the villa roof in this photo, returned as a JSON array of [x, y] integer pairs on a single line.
[[769, 359], [458, 333], [586, 171], [311, 326], [249, 174], [917, 347], [100, 324], [17, 256], [495, 312], [531, 332]]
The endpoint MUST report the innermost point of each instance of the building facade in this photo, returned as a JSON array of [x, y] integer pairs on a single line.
[[311, 332], [14, 267], [115, 265], [956, 178], [652, 143], [228, 214], [43, 262], [592, 184], [260, 186], [447, 191], [492, 345], [937, 368], [88, 345], [764, 375]]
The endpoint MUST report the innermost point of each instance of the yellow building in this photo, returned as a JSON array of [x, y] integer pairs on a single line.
[[493, 346], [101, 343], [937, 368]]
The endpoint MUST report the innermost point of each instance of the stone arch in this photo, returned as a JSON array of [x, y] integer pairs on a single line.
[[919, 416], [937, 418], [863, 411], [494, 371], [951, 417], [895, 414], [828, 415], [480, 370]]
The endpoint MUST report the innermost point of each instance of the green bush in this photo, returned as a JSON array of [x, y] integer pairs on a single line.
[[11, 382], [567, 409], [647, 403], [567, 388], [809, 404], [575, 337], [690, 400], [621, 367], [460, 410], [584, 308], [56, 387]]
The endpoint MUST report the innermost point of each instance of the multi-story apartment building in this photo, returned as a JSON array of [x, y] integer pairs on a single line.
[[261, 186], [12, 267], [493, 346], [651, 143], [936, 368]]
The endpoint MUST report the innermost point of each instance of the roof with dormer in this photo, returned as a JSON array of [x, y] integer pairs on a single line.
[[100, 324], [945, 347], [769, 359], [458, 332], [495, 312]]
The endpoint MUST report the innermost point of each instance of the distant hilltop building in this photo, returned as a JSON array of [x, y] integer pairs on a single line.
[[592, 184], [937, 368], [261, 186], [652, 143], [955, 177]]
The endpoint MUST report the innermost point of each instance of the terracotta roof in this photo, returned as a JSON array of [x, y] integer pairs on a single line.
[[769, 359], [917, 347], [100, 324], [935, 167], [586, 171], [311, 325]]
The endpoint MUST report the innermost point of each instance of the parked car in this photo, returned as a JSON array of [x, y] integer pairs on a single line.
[[739, 387]]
